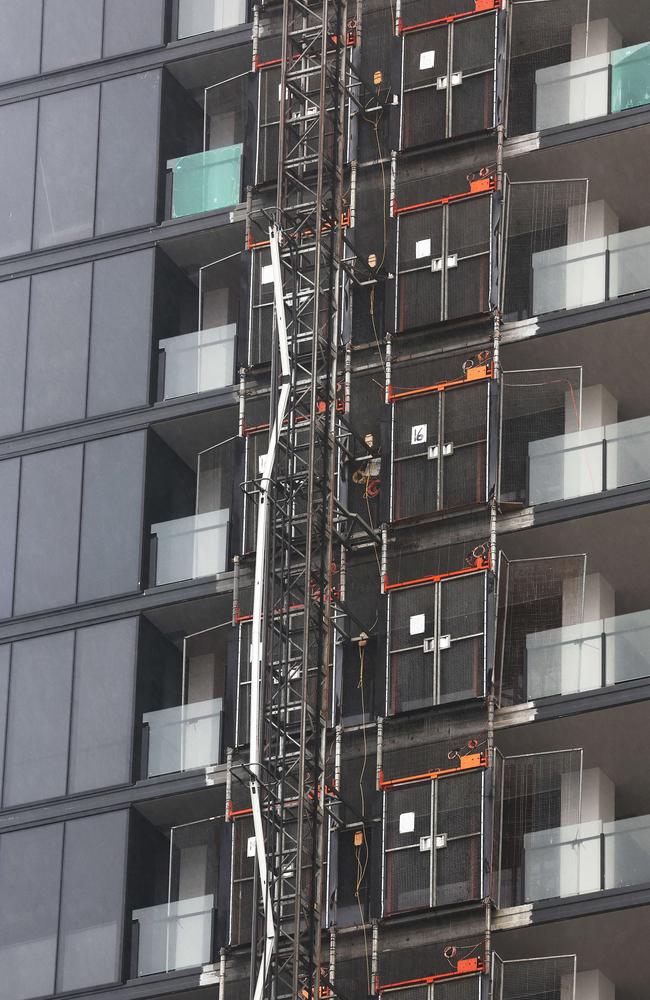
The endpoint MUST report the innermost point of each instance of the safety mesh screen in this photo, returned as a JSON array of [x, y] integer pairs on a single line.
[[461, 665], [375, 58], [362, 668], [535, 978], [474, 54], [422, 178], [244, 683], [407, 867], [541, 37], [367, 471], [465, 430], [535, 405], [419, 746], [410, 371], [243, 881], [457, 847], [268, 124], [261, 320], [411, 669], [540, 216], [412, 557], [270, 34], [534, 595], [424, 107], [256, 448], [352, 979], [535, 792], [419, 11], [416, 430]]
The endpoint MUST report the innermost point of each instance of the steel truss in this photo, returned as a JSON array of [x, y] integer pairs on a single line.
[[297, 565]]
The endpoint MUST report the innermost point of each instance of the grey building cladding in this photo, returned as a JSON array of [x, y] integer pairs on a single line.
[[482, 795]]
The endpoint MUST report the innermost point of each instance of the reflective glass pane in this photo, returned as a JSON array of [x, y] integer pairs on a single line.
[[570, 277], [199, 362], [205, 182], [9, 479], [72, 32], [129, 26], [565, 861], [174, 935], [36, 765], [102, 711], [564, 660], [195, 17], [629, 262], [628, 452], [57, 360], [184, 737], [30, 874], [572, 92], [92, 901], [67, 153], [5, 658], [14, 309], [627, 647], [48, 530], [20, 38], [191, 547], [627, 852], [17, 166], [631, 77], [570, 465]]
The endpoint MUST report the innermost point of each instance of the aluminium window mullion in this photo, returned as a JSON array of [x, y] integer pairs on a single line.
[[450, 71]]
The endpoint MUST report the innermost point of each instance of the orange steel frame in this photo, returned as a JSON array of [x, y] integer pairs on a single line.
[[480, 186], [480, 7], [482, 563], [470, 762], [479, 373], [465, 967]]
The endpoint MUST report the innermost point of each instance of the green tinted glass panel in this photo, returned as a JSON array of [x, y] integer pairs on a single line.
[[630, 77], [206, 181]]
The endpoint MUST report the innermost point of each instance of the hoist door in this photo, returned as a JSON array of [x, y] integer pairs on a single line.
[[464, 446], [461, 670], [458, 864], [467, 273], [243, 880], [421, 268], [412, 652], [269, 124], [473, 71], [425, 62], [416, 451], [407, 842]]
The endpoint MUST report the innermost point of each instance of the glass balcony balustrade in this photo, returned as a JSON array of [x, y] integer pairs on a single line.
[[189, 548], [588, 656], [196, 17], [198, 362], [589, 461], [174, 935], [593, 87], [585, 858], [207, 181], [183, 737]]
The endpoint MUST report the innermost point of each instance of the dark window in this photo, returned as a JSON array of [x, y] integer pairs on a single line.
[[14, 313], [57, 359], [111, 529], [120, 348], [92, 894], [72, 33], [65, 181], [128, 153], [48, 530], [20, 38], [9, 479], [129, 26], [17, 164], [102, 712], [38, 719], [30, 874]]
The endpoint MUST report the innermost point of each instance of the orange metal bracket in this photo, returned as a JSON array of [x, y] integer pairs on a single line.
[[476, 373], [481, 563], [479, 184], [470, 762], [480, 7], [464, 967]]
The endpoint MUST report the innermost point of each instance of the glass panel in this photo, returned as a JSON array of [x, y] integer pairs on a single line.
[[627, 852], [628, 452], [205, 182], [572, 92], [129, 27], [570, 277], [111, 525], [191, 547], [195, 17], [184, 737], [9, 480], [564, 660], [48, 532], [20, 38], [570, 465], [39, 719], [92, 901], [14, 312], [630, 77], [629, 262], [102, 712], [17, 166], [627, 647], [72, 33], [565, 861], [199, 362], [174, 935], [30, 873]]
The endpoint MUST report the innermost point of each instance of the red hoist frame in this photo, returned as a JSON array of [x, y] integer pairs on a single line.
[[480, 7], [475, 760], [478, 559], [464, 967]]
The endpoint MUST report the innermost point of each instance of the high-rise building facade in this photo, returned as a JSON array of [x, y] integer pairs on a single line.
[[324, 453]]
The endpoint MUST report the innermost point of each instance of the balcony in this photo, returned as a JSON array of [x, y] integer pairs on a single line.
[[174, 935], [593, 87], [189, 548], [587, 656], [183, 737], [588, 857], [197, 17], [205, 182], [197, 362], [589, 461]]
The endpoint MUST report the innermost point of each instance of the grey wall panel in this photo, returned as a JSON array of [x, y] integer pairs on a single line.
[[130, 27], [102, 713], [20, 38], [9, 481], [67, 154], [120, 348], [128, 153], [38, 729], [72, 33], [57, 361], [5, 661], [17, 165], [48, 530], [111, 529], [14, 314]]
